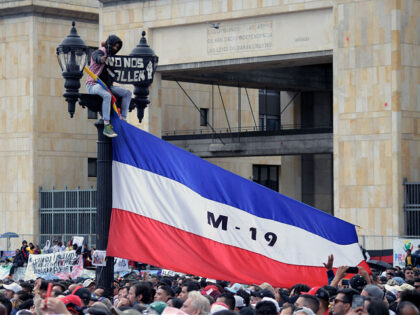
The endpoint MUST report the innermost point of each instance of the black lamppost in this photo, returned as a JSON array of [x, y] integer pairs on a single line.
[[72, 55], [141, 89]]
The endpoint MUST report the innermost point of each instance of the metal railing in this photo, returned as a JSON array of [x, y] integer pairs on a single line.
[[208, 131], [67, 213], [412, 208]]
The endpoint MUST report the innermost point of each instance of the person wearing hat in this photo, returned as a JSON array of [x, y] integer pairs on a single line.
[[73, 303], [234, 288], [403, 287], [303, 311], [373, 291], [324, 299], [357, 282], [11, 289], [98, 66], [259, 295], [23, 250], [239, 303], [157, 307], [396, 281], [58, 288], [211, 290], [84, 294], [55, 306], [89, 284], [218, 307]]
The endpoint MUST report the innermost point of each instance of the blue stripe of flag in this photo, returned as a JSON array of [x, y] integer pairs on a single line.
[[145, 151]]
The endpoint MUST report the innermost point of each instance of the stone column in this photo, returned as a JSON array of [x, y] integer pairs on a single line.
[[376, 109]]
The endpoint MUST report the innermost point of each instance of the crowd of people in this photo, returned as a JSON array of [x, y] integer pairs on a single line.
[[392, 291]]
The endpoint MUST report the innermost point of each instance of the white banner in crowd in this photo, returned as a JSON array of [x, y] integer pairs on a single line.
[[78, 240], [171, 273], [120, 264], [4, 271], [60, 265], [98, 258], [401, 245]]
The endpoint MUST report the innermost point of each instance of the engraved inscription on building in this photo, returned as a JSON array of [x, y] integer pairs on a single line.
[[240, 37]]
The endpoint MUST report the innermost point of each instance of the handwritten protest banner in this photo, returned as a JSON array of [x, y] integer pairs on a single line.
[[131, 69], [4, 271], [98, 258], [401, 245], [60, 265], [166, 272], [78, 240], [120, 264]]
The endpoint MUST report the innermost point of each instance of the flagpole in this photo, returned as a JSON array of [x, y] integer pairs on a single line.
[[105, 274]]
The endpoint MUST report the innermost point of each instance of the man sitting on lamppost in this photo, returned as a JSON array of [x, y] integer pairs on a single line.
[[110, 47]]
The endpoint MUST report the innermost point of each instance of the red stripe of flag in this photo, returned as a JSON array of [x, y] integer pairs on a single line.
[[128, 237]]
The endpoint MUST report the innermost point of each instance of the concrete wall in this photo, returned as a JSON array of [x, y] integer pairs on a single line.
[[376, 107], [39, 144], [376, 111]]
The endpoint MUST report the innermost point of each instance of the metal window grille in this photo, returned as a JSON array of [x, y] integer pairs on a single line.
[[204, 116], [92, 168], [67, 213], [266, 175], [412, 208]]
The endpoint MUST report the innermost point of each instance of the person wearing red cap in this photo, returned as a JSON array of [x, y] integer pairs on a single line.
[[56, 306], [211, 290], [72, 302]]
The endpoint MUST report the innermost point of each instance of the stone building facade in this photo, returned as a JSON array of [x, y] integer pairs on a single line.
[[372, 47]]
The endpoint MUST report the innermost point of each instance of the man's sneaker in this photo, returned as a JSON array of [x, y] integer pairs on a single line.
[[109, 132]]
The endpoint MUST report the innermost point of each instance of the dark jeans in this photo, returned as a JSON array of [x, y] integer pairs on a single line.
[[12, 270]]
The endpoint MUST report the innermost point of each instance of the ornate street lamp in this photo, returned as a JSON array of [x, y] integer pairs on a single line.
[[72, 57], [150, 61]]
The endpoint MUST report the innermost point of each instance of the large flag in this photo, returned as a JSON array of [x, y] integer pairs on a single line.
[[174, 210]]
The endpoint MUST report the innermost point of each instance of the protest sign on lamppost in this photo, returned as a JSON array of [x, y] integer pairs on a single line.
[[137, 69]]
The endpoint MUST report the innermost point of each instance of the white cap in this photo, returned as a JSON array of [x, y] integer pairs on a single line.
[[217, 307], [13, 287], [239, 301], [88, 282]]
